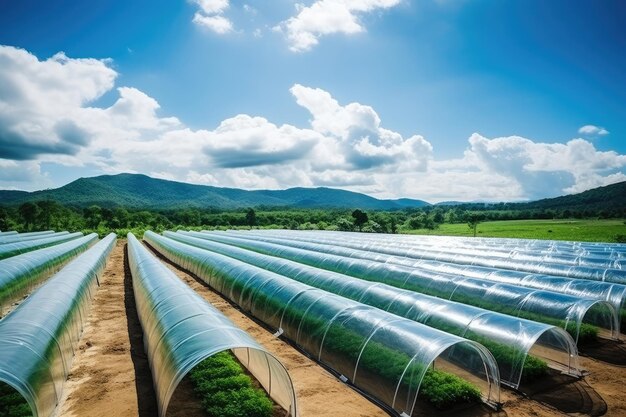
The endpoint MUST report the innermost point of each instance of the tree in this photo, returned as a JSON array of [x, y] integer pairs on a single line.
[[360, 218], [4, 219], [344, 225], [93, 216], [28, 212], [47, 212], [473, 220], [251, 218], [394, 227]]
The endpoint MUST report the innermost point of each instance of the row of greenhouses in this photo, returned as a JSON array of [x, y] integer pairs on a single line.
[[583, 318], [39, 337], [613, 293], [595, 268], [387, 357], [517, 344], [21, 273], [529, 323], [399, 328]]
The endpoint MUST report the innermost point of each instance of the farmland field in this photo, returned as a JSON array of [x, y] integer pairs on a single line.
[[579, 230], [111, 373]]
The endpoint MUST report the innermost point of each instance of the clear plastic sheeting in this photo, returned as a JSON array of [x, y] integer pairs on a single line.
[[19, 274], [509, 339], [12, 249], [18, 237], [562, 310], [181, 330], [576, 248], [37, 340], [579, 268], [383, 355], [603, 291]]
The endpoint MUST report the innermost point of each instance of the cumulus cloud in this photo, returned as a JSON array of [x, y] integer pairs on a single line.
[[249, 141], [591, 130], [47, 116], [358, 135], [545, 169], [326, 17], [42, 102], [211, 16]]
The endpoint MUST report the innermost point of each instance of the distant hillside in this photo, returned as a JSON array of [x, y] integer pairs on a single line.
[[141, 191], [602, 198], [608, 198]]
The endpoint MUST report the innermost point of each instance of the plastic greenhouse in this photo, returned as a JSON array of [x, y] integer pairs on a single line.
[[37, 340], [12, 249], [566, 311], [181, 330], [579, 267], [604, 291], [509, 339], [20, 273], [385, 356], [27, 236]]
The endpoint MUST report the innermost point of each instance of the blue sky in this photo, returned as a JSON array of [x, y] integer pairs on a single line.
[[432, 99]]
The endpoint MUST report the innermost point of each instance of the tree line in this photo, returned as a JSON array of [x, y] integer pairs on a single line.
[[45, 215]]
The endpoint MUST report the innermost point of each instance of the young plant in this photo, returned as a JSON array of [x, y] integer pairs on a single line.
[[226, 390]]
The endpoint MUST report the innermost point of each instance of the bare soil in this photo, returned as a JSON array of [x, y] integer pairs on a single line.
[[111, 375]]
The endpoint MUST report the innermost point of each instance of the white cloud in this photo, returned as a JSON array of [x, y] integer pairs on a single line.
[[343, 145], [358, 137], [42, 103], [211, 16], [591, 130], [326, 17], [212, 6]]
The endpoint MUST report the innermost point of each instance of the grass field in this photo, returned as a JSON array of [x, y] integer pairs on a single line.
[[583, 230]]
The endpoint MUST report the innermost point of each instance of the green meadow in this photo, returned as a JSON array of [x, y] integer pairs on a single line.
[[611, 230]]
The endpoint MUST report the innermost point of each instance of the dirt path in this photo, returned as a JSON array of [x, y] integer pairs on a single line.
[[111, 377]]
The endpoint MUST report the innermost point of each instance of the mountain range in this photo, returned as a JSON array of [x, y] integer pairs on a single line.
[[140, 191]]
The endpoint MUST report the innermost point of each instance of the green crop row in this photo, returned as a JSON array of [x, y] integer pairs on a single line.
[[12, 404], [225, 390]]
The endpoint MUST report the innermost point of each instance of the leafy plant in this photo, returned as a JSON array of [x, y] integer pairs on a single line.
[[226, 390], [12, 404], [444, 390]]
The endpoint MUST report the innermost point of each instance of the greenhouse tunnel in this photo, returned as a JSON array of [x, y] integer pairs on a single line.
[[38, 338], [611, 292], [8, 250], [383, 355], [21, 237], [579, 316], [509, 339], [21, 273], [516, 253], [482, 258], [181, 330]]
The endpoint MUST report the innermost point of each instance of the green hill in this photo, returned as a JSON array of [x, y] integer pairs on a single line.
[[141, 191]]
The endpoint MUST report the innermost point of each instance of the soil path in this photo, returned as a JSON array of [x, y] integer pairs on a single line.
[[110, 375]]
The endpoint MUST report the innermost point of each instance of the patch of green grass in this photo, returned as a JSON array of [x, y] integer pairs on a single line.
[[12, 404], [226, 390], [580, 230]]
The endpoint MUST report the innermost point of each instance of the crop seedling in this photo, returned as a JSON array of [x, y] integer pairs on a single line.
[[226, 390]]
